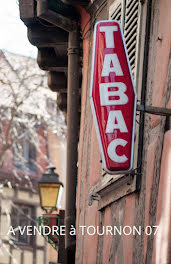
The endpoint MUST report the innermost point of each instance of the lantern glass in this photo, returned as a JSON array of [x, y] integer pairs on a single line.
[[49, 189], [49, 195]]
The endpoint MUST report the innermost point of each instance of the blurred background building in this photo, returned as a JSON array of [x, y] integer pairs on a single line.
[[27, 145]]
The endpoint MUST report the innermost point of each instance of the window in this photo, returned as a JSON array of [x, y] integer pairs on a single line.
[[25, 152], [21, 216]]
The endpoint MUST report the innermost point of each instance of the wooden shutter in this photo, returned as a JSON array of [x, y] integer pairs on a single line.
[[127, 13], [117, 14], [115, 11], [131, 29]]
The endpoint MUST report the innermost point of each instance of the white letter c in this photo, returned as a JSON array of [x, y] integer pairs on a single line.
[[111, 150]]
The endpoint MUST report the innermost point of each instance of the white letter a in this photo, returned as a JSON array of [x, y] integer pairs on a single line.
[[11, 230], [108, 59], [116, 116]]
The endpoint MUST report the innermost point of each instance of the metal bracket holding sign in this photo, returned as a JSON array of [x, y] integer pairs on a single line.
[[45, 224], [162, 111], [113, 97]]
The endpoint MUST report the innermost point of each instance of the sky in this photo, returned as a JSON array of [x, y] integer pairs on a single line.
[[13, 32]]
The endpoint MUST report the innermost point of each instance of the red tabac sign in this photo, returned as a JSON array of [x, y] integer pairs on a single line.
[[113, 97]]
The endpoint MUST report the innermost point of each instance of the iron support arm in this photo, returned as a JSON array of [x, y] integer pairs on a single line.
[[154, 110]]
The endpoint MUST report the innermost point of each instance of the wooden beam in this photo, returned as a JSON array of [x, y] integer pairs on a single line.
[[44, 36], [54, 18], [27, 11], [62, 101], [77, 2], [47, 60], [57, 81]]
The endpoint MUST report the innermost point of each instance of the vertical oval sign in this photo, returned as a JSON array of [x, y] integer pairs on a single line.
[[113, 97]]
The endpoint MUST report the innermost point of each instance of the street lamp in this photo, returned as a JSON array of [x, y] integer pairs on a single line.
[[50, 189]]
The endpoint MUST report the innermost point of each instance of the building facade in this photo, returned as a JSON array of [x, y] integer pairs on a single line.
[[139, 201], [136, 204], [20, 207]]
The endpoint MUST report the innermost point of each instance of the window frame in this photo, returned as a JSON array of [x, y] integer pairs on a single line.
[[17, 218], [25, 144]]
